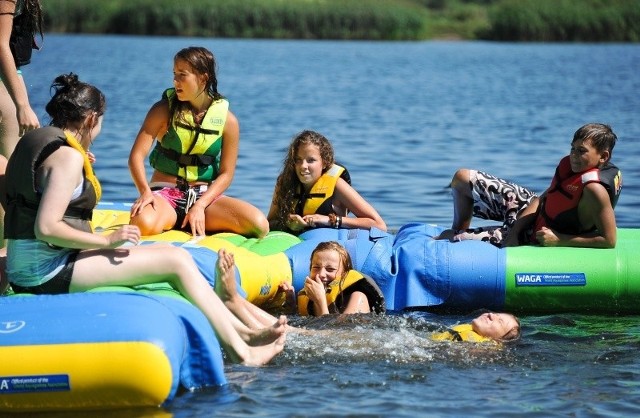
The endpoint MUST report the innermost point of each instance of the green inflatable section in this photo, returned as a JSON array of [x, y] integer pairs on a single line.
[[275, 242], [575, 279]]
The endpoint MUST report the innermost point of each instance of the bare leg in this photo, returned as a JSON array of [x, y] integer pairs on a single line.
[[462, 200], [156, 218], [228, 214], [4, 282], [251, 315], [131, 267], [3, 203]]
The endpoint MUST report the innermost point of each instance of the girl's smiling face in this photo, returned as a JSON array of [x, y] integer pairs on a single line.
[[326, 265], [187, 83], [309, 165]]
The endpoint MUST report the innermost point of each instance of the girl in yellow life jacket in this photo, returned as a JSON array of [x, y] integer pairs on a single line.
[[196, 140], [490, 326], [333, 286], [310, 191]]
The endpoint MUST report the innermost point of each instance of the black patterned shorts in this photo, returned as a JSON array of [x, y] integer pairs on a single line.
[[494, 199]]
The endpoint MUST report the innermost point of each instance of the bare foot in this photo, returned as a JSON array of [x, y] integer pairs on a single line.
[[269, 334], [447, 234], [225, 276], [258, 356]]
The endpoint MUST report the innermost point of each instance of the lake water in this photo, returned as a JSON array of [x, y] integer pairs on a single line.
[[402, 117]]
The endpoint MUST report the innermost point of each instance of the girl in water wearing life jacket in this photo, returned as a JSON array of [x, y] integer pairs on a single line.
[[489, 326], [194, 159], [577, 210], [51, 194], [333, 286], [311, 191]]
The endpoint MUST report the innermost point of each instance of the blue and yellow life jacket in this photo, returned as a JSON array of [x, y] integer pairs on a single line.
[[339, 291], [188, 150]]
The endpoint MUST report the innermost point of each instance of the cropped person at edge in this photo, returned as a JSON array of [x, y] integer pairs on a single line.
[[20, 21], [194, 159]]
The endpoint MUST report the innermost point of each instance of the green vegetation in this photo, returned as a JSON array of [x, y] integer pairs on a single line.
[[566, 20], [503, 20]]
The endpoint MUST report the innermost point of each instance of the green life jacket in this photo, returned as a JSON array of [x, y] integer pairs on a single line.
[[190, 151]]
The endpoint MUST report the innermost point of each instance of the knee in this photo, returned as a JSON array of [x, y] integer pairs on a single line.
[[254, 224], [148, 224], [260, 226], [460, 179]]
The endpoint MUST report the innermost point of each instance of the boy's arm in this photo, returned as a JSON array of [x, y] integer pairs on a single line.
[[595, 209], [525, 220]]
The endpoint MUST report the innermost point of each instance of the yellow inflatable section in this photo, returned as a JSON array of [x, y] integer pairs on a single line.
[[261, 263]]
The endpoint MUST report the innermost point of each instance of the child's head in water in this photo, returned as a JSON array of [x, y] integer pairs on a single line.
[[329, 261], [497, 326]]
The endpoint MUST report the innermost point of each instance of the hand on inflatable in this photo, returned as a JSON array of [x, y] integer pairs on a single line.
[[196, 220], [289, 295], [547, 237], [145, 199], [123, 235], [296, 223], [91, 156]]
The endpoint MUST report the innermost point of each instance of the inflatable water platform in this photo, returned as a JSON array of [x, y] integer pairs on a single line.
[[123, 347]]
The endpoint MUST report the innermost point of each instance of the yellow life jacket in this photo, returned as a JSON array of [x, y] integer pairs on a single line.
[[88, 168], [461, 332], [319, 198], [353, 281]]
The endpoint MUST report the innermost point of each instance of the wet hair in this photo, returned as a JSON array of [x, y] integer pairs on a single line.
[[601, 136], [345, 263], [202, 62], [73, 100], [345, 258], [514, 333], [288, 186]]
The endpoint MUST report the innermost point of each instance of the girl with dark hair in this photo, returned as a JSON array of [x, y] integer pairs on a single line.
[[194, 159]]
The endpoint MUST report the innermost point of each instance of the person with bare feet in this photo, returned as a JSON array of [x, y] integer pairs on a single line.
[[51, 191]]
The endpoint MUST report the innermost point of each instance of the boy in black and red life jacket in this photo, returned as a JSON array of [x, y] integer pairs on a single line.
[[575, 211]]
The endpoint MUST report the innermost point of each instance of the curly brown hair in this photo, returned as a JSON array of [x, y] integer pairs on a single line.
[[288, 185]]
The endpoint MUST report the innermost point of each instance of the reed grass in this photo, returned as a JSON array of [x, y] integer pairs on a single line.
[[565, 20], [501, 20], [305, 19]]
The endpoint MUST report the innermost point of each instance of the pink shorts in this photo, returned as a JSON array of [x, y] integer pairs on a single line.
[[179, 199]]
